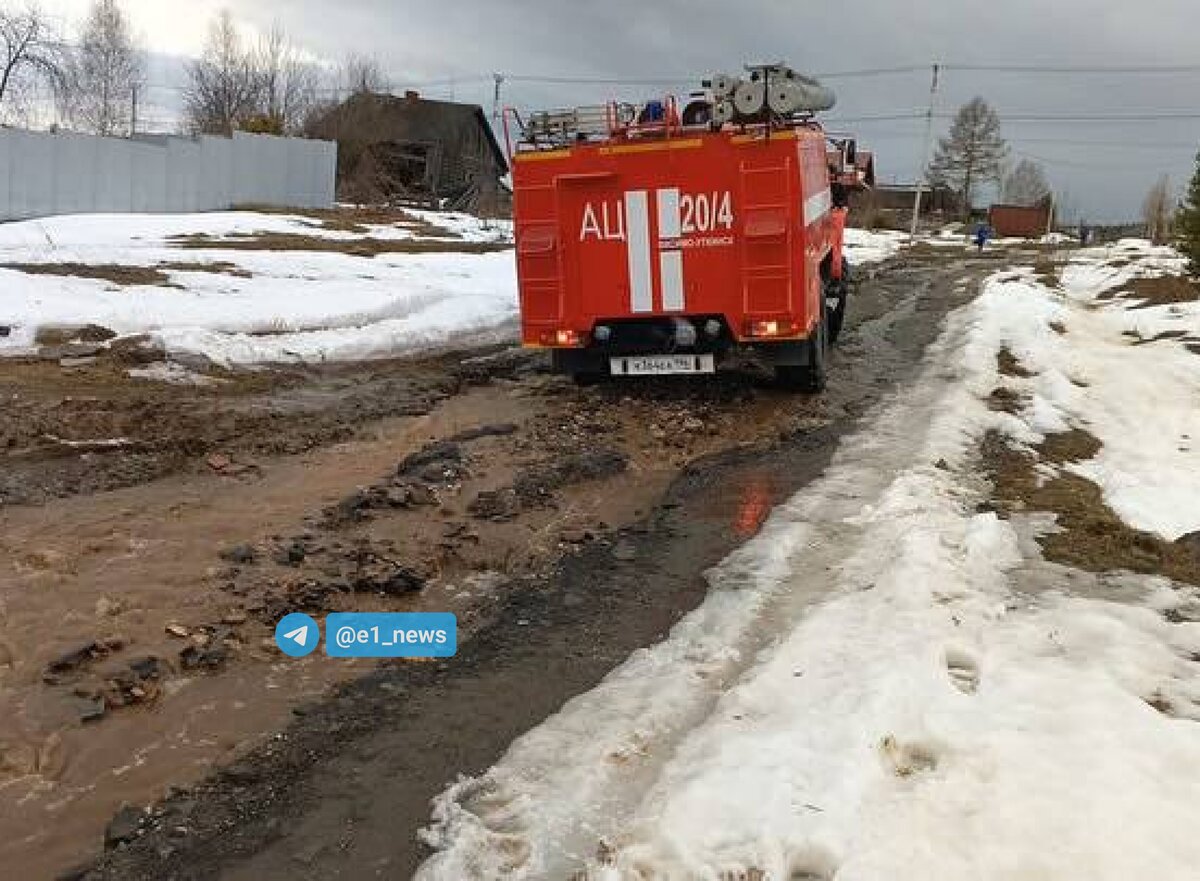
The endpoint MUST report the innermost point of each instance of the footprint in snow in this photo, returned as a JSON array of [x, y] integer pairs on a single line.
[[963, 670], [906, 759]]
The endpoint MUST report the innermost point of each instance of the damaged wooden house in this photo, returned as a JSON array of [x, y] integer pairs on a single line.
[[413, 151]]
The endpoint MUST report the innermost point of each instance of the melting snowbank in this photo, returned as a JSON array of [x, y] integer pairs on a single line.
[[864, 247], [865, 695], [276, 305]]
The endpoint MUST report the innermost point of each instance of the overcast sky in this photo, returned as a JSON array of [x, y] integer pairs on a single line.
[[452, 48]]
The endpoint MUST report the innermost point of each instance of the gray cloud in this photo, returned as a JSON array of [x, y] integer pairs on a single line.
[[1106, 168]]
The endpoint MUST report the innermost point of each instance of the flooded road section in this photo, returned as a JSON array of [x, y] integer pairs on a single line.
[[342, 790]]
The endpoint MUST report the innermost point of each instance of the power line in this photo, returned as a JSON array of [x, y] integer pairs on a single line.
[[1005, 118], [1129, 69], [1152, 116]]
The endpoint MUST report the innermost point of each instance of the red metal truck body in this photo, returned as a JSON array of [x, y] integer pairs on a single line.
[[623, 241]]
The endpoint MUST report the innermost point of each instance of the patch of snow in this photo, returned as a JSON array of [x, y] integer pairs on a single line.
[[863, 695], [293, 306], [864, 247]]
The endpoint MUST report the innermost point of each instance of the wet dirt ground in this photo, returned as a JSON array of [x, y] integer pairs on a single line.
[[566, 527]]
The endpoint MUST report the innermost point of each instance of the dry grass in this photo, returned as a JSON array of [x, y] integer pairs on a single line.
[[130, 276], [365, 247], [1075, 445], [1162, 290], [1160, 337], [1008, 364], [356, 220], [119, 275], [62, 335], [1005, 400], [1047, 271], [1092, 536]]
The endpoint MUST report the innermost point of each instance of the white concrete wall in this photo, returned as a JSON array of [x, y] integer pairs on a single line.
[[43, 174]]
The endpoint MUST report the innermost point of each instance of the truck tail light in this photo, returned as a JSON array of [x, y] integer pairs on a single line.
[[774, 327], [562, 338]]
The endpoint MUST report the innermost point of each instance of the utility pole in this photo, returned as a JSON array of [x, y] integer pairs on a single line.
[[498, 78], [927, 155], [133, 113]]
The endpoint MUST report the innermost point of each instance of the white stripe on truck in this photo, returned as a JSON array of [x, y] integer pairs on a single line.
[[641, 285], [817, 206], [671, 266], [670, 260], [670, 226]]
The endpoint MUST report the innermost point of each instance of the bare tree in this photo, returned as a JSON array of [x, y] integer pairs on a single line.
[[287, 84], [1025, 185], [1156, 211], [29, 52], [363, 74], [972, 153], [223, 87], [105, 74]]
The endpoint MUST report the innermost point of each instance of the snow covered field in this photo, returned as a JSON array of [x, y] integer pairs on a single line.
[[250, 306], [890, 682], [241, 307]]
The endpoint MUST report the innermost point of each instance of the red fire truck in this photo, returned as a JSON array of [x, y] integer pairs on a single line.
[[654, 241]]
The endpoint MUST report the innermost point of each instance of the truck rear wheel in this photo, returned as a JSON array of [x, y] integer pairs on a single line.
[[811, 377], [837, 296]]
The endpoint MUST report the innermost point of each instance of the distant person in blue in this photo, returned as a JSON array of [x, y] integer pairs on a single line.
[[981, 236]]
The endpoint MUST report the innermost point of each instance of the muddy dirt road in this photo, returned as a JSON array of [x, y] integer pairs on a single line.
[[154, 535]]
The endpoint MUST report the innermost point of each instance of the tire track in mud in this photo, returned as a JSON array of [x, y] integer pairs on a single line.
[[343, 792]]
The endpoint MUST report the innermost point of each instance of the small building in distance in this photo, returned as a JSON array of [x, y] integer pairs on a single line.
[[411, 150], [1022, 221], [890, 206], [902, 197]]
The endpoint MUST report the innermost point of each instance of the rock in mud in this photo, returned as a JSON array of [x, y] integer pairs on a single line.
[[357, 507], [78, 658], [124, 827], [501, 429], [439, 453], [138, 683], [91, 708], [148, 667], [417, 494], [389, 579], [498, 505], [539, 482], [353, 508], [211, 657], [240, 555], [291, 554]]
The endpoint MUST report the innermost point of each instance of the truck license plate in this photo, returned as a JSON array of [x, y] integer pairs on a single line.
[[661, 365]]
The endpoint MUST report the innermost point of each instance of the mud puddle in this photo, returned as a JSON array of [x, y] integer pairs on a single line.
[[136, 650]]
